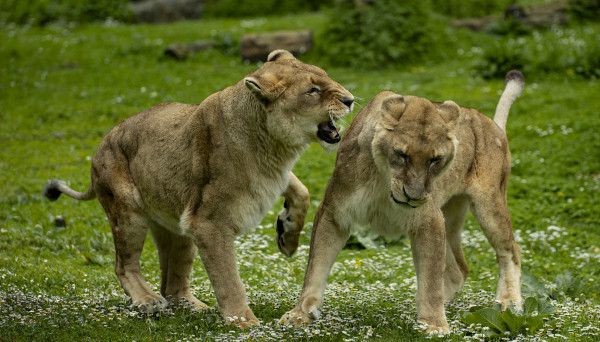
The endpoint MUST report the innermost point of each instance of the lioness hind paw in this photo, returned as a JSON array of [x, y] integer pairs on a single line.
[[434, 329], [192, 304], [152, 306], [200, 306], [438, 330], [506, 303]]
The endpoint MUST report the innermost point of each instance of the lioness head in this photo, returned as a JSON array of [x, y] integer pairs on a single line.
[[309, 100], [414, 142]]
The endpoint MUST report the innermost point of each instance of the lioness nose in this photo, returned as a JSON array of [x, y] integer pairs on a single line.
[[348, 101]]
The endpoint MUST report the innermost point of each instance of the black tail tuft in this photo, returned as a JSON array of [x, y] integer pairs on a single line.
[[515, 75], [50, 190]]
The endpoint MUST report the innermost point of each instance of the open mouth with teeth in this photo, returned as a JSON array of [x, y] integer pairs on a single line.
[[328, 132]]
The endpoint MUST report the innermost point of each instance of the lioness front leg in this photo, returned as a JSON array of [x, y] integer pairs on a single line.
[[428, 245], [216, 248], [290, 220], [326, 242]]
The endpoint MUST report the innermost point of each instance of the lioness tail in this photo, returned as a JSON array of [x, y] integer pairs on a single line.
[[55, 187], [515, 82]]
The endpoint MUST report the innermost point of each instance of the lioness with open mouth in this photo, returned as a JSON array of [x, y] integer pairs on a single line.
[[408, 165], [198, 174]]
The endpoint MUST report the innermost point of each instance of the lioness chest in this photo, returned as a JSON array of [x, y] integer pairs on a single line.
[[249, 207], [370, 205]]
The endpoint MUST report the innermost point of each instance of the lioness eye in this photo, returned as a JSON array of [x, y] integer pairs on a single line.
[[434, 160], [314, 90], [402, 155]]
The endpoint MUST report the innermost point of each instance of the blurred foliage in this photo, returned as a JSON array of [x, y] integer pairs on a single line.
[[373, 34], [571, 51], [251, 8], [226, 43], [41, 12], [564, 285], [500, 57], [469, 8], [585, 10], [508, 26]]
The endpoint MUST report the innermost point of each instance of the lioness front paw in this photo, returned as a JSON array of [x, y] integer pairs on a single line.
[[298, 317], [242, 320], [288, 234]]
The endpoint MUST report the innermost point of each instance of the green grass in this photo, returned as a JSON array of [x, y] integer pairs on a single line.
[[63, 87]]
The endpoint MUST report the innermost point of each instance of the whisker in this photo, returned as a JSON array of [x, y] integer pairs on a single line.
[[338, 120], [334, 116], [357, 101]]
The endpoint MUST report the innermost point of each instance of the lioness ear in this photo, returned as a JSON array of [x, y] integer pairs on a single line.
[[392, 108], [450, 112], [280, 55], [394, 105], [264, 87]]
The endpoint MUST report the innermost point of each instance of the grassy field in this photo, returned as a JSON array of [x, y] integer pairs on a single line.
[[63, 87]]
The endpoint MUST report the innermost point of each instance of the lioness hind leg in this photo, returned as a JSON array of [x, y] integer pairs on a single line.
[[129, 232], [290, 220], [176, 254], [456, 271], [494, 218]]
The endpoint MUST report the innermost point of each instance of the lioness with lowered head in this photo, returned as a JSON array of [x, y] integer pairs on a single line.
[[198, 174], [407, 165]]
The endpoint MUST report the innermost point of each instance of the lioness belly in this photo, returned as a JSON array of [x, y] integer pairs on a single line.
[[244, 213]]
